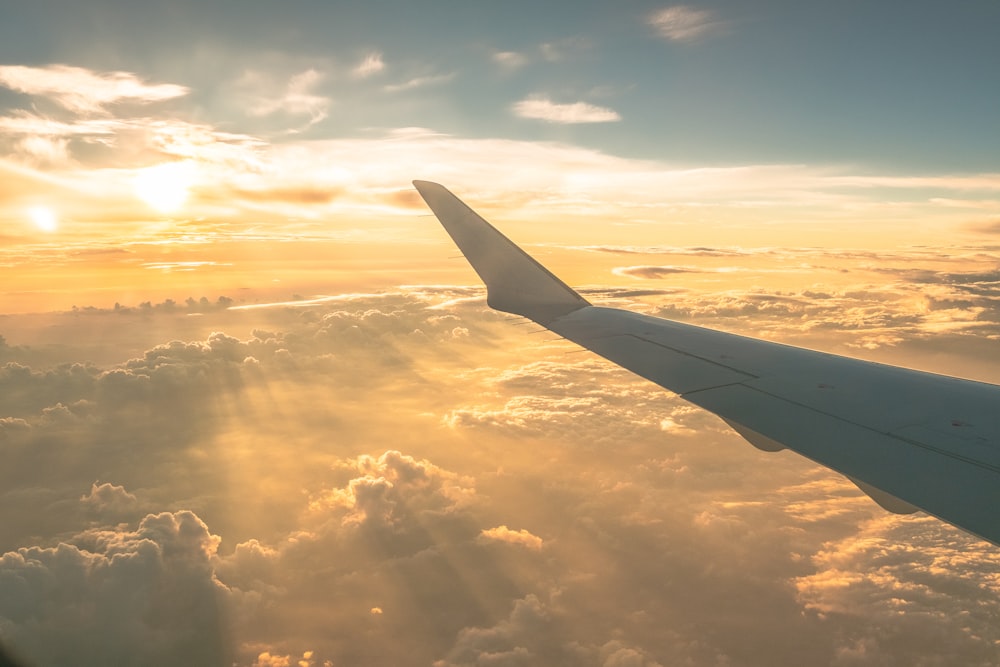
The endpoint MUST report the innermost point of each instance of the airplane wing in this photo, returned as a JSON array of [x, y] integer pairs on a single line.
[[909, 439]]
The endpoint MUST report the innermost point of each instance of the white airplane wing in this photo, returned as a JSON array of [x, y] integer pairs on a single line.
[[910, 440]]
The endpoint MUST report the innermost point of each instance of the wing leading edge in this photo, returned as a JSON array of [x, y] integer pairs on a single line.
[[909, 439]]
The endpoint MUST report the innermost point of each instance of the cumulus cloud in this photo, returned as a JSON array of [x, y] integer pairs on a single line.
[[900, 577], [109, 498], [324, 480], [683, 23], [152, 589], [521, 537], [84, 91], [509, 642], [541, 108]]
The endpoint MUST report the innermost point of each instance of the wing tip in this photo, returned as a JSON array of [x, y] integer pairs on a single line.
[[515, 281]]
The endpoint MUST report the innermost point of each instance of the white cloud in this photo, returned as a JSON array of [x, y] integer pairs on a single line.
[[371, 65], [510, 60], [682, 23], [85, 91], [298, 99], [420, 82], [541, 108]]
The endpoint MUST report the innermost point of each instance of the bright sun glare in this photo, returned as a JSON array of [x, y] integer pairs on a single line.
[[44, 218], [164, 187]]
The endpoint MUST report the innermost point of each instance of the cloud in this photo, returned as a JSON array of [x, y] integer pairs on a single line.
[[109, 498], [297, 100], [510, 642], [419, 82], [146, 588], [84, 91], [376, 498], [683, 23], [563, 49], [901, 578], [654, 516], [519, 537], [541, 108], [509, 60], [651, 272], [989, 227], [369, 66]]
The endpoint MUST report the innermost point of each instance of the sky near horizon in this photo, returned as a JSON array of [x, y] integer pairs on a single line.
[[254, 411]]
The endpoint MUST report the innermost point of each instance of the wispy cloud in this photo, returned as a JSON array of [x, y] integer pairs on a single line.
[[510, 60], [564, 48], [420, 82], [85, 91], [370, 66], [542, 108], [299, 99], [652, 272], [682, 23]]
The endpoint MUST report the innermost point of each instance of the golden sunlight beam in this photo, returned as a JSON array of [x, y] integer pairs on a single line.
[[44, 218], [164, 187]]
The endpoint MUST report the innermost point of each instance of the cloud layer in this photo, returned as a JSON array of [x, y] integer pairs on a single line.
[[238, 497]]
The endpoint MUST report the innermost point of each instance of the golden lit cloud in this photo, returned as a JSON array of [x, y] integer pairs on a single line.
[[85, 91], [519, 537]]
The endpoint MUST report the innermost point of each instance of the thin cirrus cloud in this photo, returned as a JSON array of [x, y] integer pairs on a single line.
[[299, 99], [682, 23], [84, 91], [419, 82], [371, 65], [541, 108], [509, 60]]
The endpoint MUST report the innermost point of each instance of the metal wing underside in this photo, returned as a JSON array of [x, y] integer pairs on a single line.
[[909, 439]]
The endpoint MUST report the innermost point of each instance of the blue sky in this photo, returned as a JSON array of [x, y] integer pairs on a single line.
[[874, 84]]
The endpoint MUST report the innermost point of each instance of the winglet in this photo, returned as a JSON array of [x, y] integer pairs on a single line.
[[515, 282]]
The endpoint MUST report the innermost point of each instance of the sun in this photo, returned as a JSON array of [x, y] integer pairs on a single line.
[[165, 187], [44, 218]]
